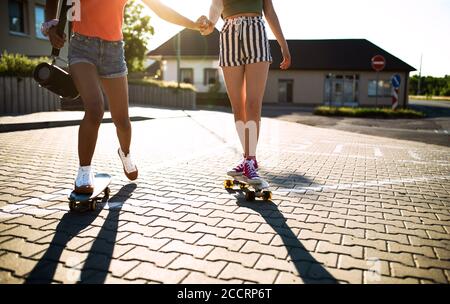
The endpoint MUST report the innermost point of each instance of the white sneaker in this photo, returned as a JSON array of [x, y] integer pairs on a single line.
[[84, 182], [129, 168]]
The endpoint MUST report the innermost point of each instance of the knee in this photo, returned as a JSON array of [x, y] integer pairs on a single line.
[[239, 116], [253, 109], [123, 124], [94, 114]]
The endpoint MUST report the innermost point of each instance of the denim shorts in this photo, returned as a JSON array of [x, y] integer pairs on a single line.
[[107, 56]]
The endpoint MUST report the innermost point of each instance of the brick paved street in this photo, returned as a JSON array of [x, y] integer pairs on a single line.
[[346, 208]]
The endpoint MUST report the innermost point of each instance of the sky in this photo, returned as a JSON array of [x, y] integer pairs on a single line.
[[408, 29]]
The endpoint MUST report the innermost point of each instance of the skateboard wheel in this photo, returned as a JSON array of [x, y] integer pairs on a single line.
[[250, 196], [228, 184], [93, 205], [107, 192], [72, 206], [267, 195]]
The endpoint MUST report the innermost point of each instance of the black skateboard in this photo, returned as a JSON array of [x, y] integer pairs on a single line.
[[101, 183]]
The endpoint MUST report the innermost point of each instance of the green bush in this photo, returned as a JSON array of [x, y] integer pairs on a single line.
[[161, 84], [368, 112], [18, 65]]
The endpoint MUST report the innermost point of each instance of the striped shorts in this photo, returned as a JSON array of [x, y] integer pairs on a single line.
[[243, 40]]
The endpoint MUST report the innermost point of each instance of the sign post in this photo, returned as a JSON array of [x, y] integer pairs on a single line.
[[396, 80], [378, 64]]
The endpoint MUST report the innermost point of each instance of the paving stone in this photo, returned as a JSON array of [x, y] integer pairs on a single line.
[[354, 251], [233, 245], [15, 264], [203, 228], [7, 278], [150, 272], [427, 251], [222, 254], [239, 234], [200, 278], [181, 247], [136, 239], [280, 252], [237, 271], [401, 271], [144, 254], [188, 262], [377, 244]]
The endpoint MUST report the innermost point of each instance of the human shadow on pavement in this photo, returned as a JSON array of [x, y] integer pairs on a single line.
[[96, 266], [70, 225], [308, 268]]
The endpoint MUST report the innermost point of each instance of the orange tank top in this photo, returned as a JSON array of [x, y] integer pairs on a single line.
[[101, 18]]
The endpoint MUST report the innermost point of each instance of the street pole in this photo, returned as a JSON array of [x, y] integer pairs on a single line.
[[420, 76], [376, 90], [178, 59]]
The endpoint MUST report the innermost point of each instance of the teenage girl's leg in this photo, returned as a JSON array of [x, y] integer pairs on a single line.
[[256, 78], [116, 89], [235, 83], [88, 84]]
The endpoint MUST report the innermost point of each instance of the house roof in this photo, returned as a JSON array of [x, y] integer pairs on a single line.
[[334, 54], [337, 54]]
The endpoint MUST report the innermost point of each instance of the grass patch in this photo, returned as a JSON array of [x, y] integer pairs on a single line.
[[367, 112], [161, 84], [431, 98]]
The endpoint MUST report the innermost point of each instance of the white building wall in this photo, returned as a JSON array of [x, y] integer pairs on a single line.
[[169, 68]]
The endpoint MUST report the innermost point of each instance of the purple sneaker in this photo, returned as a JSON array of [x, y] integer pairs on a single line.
[[238, 170], [250, 172]]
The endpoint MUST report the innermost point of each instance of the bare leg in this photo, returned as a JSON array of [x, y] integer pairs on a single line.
[[256, 78], [235, 83], [87, 82], [116, 90]]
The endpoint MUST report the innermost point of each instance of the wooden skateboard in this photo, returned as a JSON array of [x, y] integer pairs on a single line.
[[260, 190], [101, 183]]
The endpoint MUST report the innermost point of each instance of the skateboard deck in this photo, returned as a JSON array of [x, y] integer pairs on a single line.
[[260, 190], [101, 183]]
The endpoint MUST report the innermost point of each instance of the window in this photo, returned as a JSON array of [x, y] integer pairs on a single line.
[[211, 76], [39, 14], [16, 16], [384, 88], [341, 89], [187, 75]]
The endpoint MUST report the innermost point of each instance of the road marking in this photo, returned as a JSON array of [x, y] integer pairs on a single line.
[[378, 152], [367, 184], [338, 149], [436, 163], [387, 146], [282, 150], [414, 155]]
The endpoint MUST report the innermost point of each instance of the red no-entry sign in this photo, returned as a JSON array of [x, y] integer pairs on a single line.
[[378, 63]]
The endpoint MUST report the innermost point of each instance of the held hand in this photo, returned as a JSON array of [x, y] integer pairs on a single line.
[[208, 30], [56, 40], [204, 25], [286, 63]]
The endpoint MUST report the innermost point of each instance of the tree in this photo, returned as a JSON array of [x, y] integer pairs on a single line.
[[136, 33], [430, 86]]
